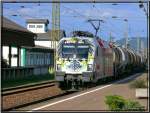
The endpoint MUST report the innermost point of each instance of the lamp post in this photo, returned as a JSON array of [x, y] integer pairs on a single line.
[[126, 34]]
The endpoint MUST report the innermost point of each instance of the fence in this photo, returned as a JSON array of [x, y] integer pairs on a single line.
[[22, 72]]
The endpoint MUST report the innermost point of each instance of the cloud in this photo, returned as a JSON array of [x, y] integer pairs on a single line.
[[9, 12], [36, 12], [45, 12], [105, 13], [97, 13], [109, 12], [29, 12]]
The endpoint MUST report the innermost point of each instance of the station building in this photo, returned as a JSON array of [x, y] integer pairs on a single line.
[[20, 56], [14, 39]]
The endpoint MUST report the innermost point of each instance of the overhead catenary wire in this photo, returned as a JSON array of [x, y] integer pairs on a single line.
[[107, 18], [109, 23], [80, 15], [121, 18]]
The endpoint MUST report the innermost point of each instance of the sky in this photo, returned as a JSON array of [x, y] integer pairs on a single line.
[[74, 16]]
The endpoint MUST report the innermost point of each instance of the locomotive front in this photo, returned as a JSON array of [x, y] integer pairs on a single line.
[[74, 60]]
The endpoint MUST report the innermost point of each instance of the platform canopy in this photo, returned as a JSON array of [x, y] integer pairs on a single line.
[[15, 35]]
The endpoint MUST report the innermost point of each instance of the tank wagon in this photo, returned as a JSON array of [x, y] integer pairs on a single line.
[[82, 59]]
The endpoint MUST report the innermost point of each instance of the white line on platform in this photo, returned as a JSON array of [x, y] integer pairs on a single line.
[[70, 98]]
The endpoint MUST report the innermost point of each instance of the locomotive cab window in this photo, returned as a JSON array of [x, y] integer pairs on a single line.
[[82, 51], [68, 50], [79, 50]]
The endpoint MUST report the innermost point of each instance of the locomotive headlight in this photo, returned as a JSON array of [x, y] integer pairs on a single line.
[[89, 67], [58, 67]]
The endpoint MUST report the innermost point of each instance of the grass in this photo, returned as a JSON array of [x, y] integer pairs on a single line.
[[139, 83], [27, 80]]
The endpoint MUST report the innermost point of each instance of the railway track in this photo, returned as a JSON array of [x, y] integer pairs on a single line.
[[48, 90], [18, 89], [15, 92], [24, 95], [17, 96]]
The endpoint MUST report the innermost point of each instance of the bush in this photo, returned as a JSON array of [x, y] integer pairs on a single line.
[[140, 83], [115, 102], [118, 103], [133, 106]]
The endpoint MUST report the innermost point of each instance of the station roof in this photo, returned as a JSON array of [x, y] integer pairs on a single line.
[[6, 23], [40, 49], [15, 35], [37, 21], [48, 35]]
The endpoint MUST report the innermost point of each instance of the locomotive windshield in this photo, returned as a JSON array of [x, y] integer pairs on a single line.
[[80, 50]]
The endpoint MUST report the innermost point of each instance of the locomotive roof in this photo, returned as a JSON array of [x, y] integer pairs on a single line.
[[93, 41], [82, 33]]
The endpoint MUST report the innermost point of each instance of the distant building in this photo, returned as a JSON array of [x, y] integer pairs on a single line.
[[44, 35], [37, 25]]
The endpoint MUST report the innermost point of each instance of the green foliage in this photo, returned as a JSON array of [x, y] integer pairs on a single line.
[[115, 102], [133, 106], [118, 103], [51, 70], [140, 83]]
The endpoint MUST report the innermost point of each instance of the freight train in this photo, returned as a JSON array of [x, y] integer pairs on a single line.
[[84, 58]]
